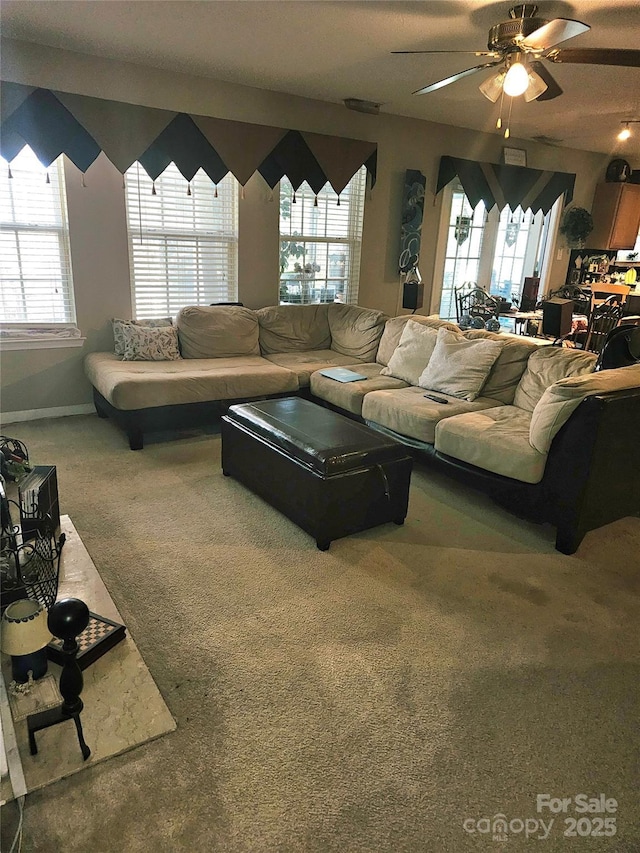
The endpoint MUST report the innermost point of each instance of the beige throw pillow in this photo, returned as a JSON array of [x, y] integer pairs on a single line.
[[459, 367], [118, 336], [412, 354], [150, 344]]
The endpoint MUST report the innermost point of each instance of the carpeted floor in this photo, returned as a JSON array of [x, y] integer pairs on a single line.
[[370, 698]]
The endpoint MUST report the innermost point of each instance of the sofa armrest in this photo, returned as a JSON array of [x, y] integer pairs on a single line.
[[592, 475]]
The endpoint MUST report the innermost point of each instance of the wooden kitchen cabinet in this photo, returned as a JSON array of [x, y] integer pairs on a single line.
[[616, 216]]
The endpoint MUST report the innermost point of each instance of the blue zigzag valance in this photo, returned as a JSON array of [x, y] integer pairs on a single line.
[[516, 186], [54, 123]]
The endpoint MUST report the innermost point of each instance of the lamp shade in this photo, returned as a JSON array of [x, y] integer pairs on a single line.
[[536, 86], [24, 628], [492, 86]]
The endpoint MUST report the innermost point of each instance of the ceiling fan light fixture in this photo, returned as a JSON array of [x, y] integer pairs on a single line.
[[516, 80], [491, 88], [535, 88], [625, 133]]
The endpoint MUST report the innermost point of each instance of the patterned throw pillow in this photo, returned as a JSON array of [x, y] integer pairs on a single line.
[[150, 344], [118, 337]]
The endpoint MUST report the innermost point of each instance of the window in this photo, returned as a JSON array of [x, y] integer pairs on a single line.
[[183, 249], [320, 241], [35, 266], [498, 248]]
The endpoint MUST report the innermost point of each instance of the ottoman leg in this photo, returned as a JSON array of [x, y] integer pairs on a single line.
[[323, 544], [399, 521]]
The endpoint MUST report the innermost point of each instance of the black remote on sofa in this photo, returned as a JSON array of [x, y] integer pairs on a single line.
[[436, 399]]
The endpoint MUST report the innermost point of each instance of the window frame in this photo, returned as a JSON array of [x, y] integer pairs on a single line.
[[24, 333], [537, 253], [355, 199]]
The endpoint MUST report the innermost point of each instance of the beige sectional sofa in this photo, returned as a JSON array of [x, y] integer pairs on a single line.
[[540, 431], [491, 431], [229, 353], [547, 437]]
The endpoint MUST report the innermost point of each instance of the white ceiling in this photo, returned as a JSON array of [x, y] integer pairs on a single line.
[[334, 49]]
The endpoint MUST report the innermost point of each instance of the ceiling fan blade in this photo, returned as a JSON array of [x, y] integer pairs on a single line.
[[468, 52], [552, 33], [553, 89], [597, 56], [432, 87]]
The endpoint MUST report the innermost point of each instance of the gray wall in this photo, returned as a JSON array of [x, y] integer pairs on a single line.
[[34, 379]]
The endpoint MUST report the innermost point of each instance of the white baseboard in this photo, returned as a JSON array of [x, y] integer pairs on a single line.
[[55, 412]]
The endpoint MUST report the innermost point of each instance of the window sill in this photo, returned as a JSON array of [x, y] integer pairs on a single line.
[[9, 344]]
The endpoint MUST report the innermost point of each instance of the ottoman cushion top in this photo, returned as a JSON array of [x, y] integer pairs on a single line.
[[326, 442]]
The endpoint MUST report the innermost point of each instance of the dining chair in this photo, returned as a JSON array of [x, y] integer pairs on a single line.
[[601, 292], [605, 316], [474, 300]]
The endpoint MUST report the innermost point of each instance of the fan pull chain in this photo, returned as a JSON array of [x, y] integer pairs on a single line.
[[271, 195], [215, 195], [153, 188], [338, 200], [48, 181], [10, 173], [84, 183], [499, 122], [507, 132], [294, 197], [189, 188], [315, 203], [242, 192]]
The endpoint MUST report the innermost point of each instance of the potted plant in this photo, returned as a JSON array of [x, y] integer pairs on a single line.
[[577, 224]]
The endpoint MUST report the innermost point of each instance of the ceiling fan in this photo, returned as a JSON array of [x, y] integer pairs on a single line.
[[517, 47]]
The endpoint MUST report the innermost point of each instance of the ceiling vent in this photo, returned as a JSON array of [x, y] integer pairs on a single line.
[[362, 106]]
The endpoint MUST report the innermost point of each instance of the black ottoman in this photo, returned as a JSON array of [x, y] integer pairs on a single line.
[[327, 473]]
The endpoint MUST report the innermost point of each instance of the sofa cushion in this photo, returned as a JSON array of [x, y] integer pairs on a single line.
[[294, 328], [395, 326], [217, 331], [143, 384], [150, 344], [407, 411], [303, 364], [496, 440], [118, 325], [355, 331], [459, 367], [508, 368], [412, 354], [560, 400], [350, 395], [546, 366]]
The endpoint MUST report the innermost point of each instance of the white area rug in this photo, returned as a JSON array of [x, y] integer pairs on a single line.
[[123, 707]]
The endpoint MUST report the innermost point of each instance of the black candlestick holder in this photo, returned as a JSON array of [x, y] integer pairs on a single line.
[[67, 619]]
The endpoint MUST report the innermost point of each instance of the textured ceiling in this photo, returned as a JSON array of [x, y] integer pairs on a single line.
[[333, 50]]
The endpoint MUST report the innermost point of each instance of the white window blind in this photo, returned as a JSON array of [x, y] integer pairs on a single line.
[[35, 265], [320, 242], [183, 249]]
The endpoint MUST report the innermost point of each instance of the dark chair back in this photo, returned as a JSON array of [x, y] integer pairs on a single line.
[[604, 318], [621, 348]]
